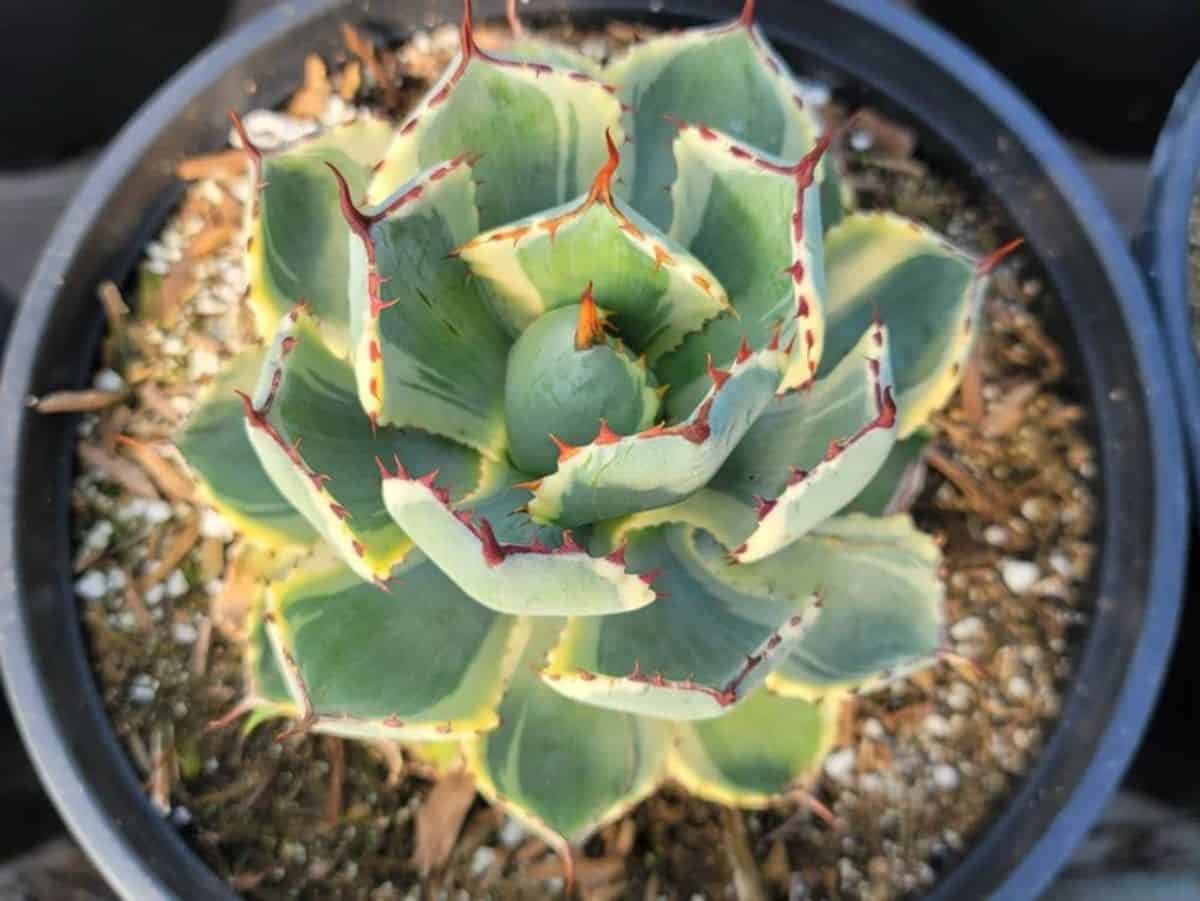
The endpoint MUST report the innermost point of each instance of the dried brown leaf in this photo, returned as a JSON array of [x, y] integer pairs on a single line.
[[439, 820], [351, 80], [223, 164], [210, 239], [116, 469], [610, 892], [161, 766], [1009, 412], [204, 632], [170, 481], [336, 752], [777, 869], [888, 137], [87, 400], [112, 425], [981, 499], [972, 387], [594, 872], [134, 601], [177, 288], [175, 549], [309, 101], [115, 308], [212, 559], [393, 760], [230, 607], [846, 720], [625, 837], [747, 880], [153, 398]]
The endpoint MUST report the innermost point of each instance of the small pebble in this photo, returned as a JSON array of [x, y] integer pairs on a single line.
[[174, 347], [181, 816], [594, 48], [873, 729], [1033, 509], [1019, 688], [840, 764], [156, 512], [203, 363], [142, 689], [813, 93], [861, 140], [155, 594], [213, 526], [959, 697], [945, 777], [207, 305], [1061, 564], [937, 725], [107, 380], [115, 578], [1019, 575], [92, 585], [177, 585], [995, 535], [512, 833], [968, 628], [183, 633], [98, 536], [481, 860], [293, 852]]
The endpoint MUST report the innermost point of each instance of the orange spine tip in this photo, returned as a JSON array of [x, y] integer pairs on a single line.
[[993, 259], [602, 184], [774, 345], [531, 485], [590, 330], [565, 451], [743, 353], [746, 19], [718, 376], [606, 435]]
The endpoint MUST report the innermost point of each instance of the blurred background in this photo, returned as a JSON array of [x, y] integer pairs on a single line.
[[1102, 71]]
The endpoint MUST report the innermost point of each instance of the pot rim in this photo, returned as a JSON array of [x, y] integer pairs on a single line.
[[140, 873], [1161, 247]]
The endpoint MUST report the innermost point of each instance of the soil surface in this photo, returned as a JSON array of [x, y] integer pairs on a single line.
[[919, 767]]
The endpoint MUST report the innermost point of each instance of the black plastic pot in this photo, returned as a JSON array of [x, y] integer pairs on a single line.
[[1162, 247], [1102, 71], [78, 70], [971, 123]]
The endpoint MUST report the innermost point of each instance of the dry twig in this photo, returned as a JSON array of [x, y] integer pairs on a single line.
[[439, 820]]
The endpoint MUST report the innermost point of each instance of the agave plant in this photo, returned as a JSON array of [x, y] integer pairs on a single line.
[[584, 400]]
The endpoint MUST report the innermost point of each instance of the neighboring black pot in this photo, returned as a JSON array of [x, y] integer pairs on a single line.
[[1162, 248], [75, 70], [1102, 71], [973, 124]]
